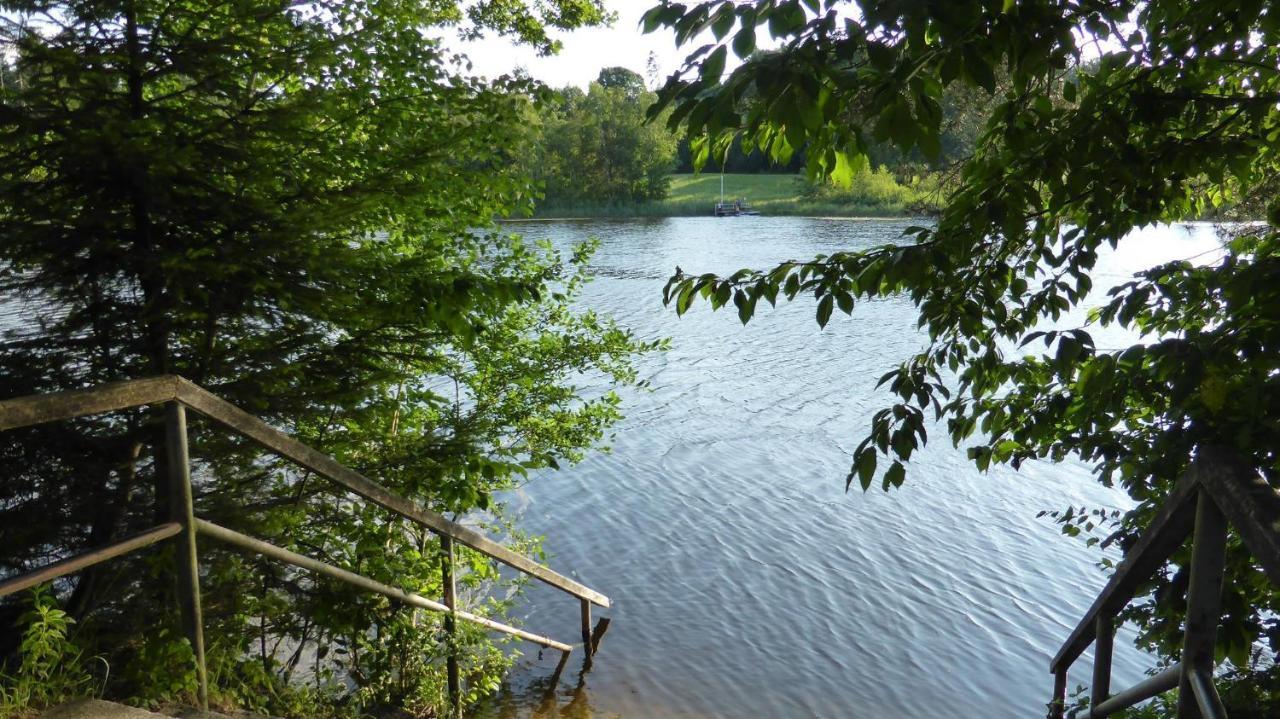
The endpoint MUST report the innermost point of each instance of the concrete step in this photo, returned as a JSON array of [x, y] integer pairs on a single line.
[[98, 709]]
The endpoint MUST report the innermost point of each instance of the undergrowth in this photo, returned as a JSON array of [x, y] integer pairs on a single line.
[[50, 667]]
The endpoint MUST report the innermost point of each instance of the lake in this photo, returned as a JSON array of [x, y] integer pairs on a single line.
[[746, 581]]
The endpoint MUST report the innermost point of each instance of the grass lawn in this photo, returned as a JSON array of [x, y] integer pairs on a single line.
[[872, 194], [762, 191]]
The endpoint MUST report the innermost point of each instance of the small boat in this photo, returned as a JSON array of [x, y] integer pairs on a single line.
[[735, 208]]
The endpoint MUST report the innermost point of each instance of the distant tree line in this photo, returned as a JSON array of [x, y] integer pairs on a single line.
[[596, 147]]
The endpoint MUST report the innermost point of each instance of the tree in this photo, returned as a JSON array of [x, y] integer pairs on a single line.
[[290, 204], [620, 78], [1113, 116], [596, 147]]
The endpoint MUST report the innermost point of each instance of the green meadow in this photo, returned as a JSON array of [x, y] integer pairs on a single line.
[[872, 194]]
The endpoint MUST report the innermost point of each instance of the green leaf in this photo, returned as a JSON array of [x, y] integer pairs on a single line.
[[882, 56], [721, 297], [786, 18], [723, 22], [825, 306], [895, 475], [746, 305], [843, 172], [713, 66], [866, 467], [1068, 350], [685, 298], [980, 70], [651, 19]]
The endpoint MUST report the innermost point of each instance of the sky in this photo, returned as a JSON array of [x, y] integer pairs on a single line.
[[585, 51]]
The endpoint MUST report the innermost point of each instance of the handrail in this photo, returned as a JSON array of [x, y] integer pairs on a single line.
[[1217, 490], [177, 394], [70, 404], [1140, 692], [1207, 696], [40, 409], [1161, 539], [267, 549], [84, 560], [251, 427], [1253, 508]]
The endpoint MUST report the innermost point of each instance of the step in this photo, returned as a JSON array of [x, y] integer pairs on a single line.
[[99, 709]]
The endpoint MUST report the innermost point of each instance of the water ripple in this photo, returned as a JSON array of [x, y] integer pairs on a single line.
[[747, 582]]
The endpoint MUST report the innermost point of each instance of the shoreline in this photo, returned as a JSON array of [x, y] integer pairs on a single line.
[[816, 216], [875, 196]]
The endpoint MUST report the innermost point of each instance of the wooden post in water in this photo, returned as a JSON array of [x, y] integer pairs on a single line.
[[1104, 640], [1204, 601], [555, 676], [597, 634], [450, 622], [183, 512], [586, 631]]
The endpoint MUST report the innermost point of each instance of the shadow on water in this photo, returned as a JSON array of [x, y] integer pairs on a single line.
[[562, 694]]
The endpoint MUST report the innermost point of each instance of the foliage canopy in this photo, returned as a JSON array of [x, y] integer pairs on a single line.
[[1113, 116]]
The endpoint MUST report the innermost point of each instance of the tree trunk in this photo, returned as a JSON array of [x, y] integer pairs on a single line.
[[106, 526], [155, 312]]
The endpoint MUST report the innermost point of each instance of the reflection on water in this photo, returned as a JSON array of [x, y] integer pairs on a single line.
[[746, 582], [551, 696]]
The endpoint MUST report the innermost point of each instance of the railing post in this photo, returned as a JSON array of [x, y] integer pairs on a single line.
[[450, 622], [1058, 707], [1204, 600], [1104, 640], [586, 630], [183, 512], [597, 634]]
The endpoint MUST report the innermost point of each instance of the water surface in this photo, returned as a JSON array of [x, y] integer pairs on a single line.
[[746, 581]]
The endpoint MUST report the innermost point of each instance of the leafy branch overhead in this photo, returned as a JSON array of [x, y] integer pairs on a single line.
[[1104, 117]]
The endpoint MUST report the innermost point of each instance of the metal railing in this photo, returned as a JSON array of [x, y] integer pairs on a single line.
[[1218, 490], [177, 395]]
